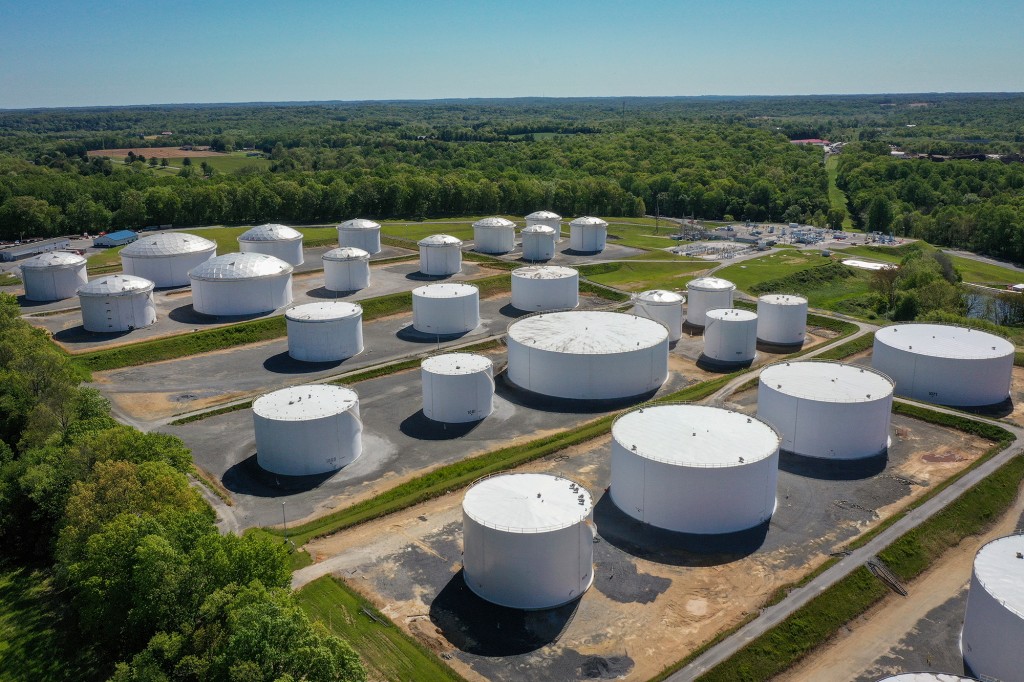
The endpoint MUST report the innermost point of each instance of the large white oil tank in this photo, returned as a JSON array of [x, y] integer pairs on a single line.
[[538, 242], [945, 364], [117, 303], [782, 319], [694, 468], [279, 241], [704, 294], [825, 409], [545, 287], [53, 276], [326, 331], [360, 233], [588, 234], [457, 387], [528, 540], [440, 255], [926, 677], [241, 284], [346, 268], [730, 336], [587, 354], [165, 258], [662, 306], [446, 308], [546, 219], [307, 430], [994, 621], [494, 235]]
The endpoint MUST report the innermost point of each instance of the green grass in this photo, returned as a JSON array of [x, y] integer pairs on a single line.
[[639, 233], [669, 256], [461, 228], [639, 276], [845, 350], [836, 196], [9, 280], [228, 163], [975, 272], [773, 266], [386, 651]]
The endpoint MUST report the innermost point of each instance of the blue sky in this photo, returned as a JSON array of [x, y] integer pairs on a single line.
[[102, 52]]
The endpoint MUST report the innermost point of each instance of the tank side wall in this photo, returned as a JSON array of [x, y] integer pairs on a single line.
[[781, 324], [459, 398], [545, 294], [669, 315], [367, 240], [325, 341], [992, 636], [308, 447], [698, 303], [346, 275], [946, 381]]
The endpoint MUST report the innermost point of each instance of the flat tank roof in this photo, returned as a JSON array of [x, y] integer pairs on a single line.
[[585, 332], [830, 382], [527, 503], [732, 314], [589, 220], [783, 299], [440, 240], [240, 266], [539, 229], [999, 567], [301, 403], [271, 232], [346, 253], [52, 259], [495, 222], [944, 341], [116, 285], [359, 224], [543, 215], [710, 284], [545, 272], [325, 311], [445, 290], [166, 244], [457, 363], [660, 297], [696, 435]]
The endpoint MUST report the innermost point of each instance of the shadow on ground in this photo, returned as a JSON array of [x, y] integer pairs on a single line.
[[249, 478], [283, 363], [833, 470], [410, 333], [524, 398], [422, 428], [78, 334]]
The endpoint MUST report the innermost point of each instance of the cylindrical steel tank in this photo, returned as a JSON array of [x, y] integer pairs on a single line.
[[241, 284], [494, 235], [117, 303], [704, 294], [944, 364], [546, 219], [445, 308], [694, 468], [307, 430], [926, 677], [165, 258], [528, 540], [360, 233], [587, 354], [538, 242], [325, 331], [545, 287], [440, 255], [457, 387], [53, 276], [279, 241], [661, 306], [825, 409], [730, 336], [994, 621], [588, 234], [782, 319], [346, 269]]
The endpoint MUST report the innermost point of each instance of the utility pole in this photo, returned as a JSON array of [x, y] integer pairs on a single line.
[[284, 521]]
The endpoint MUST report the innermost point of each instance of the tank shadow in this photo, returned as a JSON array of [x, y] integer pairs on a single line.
[[778, 348], [996, 411], [78, 334], [329, 294], [833, 470], [410, 333], [186, 314], [419, 426], [249, 478], [508, 310], [481, 628], [524, 398], [282, 363], [690, 329], [421, 277], [574, 252], [709, 365], [27, 304], [648, 542]]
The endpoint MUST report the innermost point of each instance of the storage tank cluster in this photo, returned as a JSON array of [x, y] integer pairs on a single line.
[[494, 235], [275, 240], [346, 268], [539, 242], [781, 319], [588, 234], [730, 336], [360, 233], [945, 364], [457, 387], [325, 331], [53, 276], [704, 294], [446, 308], [117, 303], [662, 306], [440, 255], [994, 620], [165, 258], [537, 288], [241, 284]]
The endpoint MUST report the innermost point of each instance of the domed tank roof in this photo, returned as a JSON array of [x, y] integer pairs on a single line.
[[359, 224], [494, 223], [589, 220], [543, 215], [545, 272], [240, 266], [346, 253], [660, 297], [116, 285], [440, 240], [710, 284], [541, 229], [164, 244], [53, 259], [271, 232]]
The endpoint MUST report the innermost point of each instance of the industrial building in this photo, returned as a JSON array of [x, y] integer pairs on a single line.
[[53, 276], [346, 268], [241, 284], [528, 540], [588, 234], [112, 239], [539, 242], [279, 241], [325, 331], [782, 319], [537, 288], [457, 387], [993, 634], [360, 233], [730, 336], [165, 258], [28, 249], [117, 303], [704, 294], [446, 308], [440, 255], [494, 235]]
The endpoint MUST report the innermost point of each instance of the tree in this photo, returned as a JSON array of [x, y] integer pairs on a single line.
[[836, 217], [186, 161], [879, 214], [28, 216], [163, 161], [884, 283]]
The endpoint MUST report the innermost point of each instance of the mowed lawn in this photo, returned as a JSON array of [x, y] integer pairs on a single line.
[[643, 275], [976, 272], [772, 266]]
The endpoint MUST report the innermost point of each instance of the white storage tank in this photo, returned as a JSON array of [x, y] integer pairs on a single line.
[[926, 677], [730, 336], [546, 219], [704, 294], [117, 303], [662, 306], [165, 258], [346, 268], [325, 331], [588, 234], [994, 621], [446, 308], [53, 276], [457, 387], [440, 255], [826, 409], [782, 319], [307, 430], [538, 242], [587, 354], [944, 364], [694, 468], [360, 233], [528, 540], [275, 240], [545, 287], [494, 235], [241, 284]]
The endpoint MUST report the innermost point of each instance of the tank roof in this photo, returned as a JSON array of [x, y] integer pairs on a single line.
[[999, 567], [359, 224], [445, 290], [696, 435], [52, 259], [587, 332], [543, 215], [240, 266], [545, 272], [831, 382], [324, 311], [302, 403], [494, 223], [166, 244], [538, 229], [527, 503], [944, 341], [271, 232], [732, 314], [440, 240], [660, 297], [116, 285], [589, 220], [710, 284], [457, 363], [346, 253], [783, 299]]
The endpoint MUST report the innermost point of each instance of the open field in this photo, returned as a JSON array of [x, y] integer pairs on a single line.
[[224, 163], [772, 266], [836, 196], [639, 276], [157, 152], [976, 272]]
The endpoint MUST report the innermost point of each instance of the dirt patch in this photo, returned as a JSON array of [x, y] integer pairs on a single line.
[[157, 405]]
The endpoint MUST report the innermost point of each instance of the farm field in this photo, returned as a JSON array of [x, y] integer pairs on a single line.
[[158, 152]]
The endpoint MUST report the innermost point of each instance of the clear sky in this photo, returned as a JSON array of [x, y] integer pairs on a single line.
[[106, 52]]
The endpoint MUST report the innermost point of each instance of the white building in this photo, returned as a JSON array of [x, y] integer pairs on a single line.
[[274, 240], [117, 303], [241, 284], [165, 258], [53, 276]]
